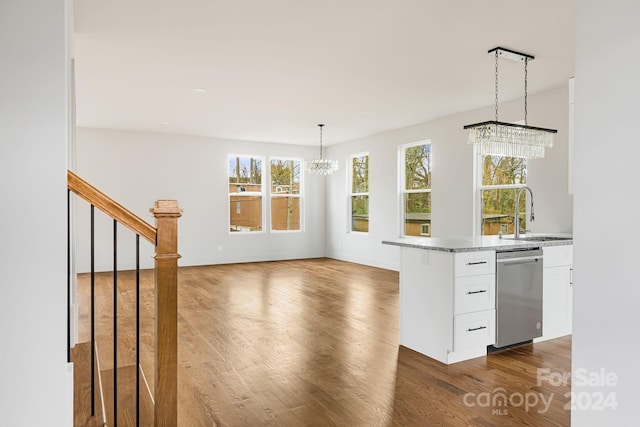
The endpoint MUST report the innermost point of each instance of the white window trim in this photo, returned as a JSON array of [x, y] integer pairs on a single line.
[[299, 196], [479, 188], [401, 182], [262, 194], [350, 194]]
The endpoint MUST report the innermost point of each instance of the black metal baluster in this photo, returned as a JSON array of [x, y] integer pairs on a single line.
[[115, 323], [68, 276], [137, 330], [93, 314]]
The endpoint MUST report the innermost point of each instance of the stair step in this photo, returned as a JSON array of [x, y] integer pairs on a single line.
[[127, 397], [81, 357]]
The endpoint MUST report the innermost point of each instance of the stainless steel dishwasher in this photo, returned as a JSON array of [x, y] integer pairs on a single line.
[[518, 296]]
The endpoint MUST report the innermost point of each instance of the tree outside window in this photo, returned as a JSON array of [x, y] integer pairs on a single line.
[[416, 188], [501, 179], [286, 192], [359, 193], [245, 193]]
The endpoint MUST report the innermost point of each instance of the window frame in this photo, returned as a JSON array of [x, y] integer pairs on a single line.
[[260, 193], [276, 194], [402, 191], [479, 188], [351, 193]]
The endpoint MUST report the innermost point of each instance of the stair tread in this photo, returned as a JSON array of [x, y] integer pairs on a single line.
[[126, 397], [81, 355]]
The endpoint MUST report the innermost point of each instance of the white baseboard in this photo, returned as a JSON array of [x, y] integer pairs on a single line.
[[366, 261]]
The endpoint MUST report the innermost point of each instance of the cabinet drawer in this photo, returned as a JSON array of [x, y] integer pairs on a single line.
[[474, 263], [474, 293], [555, 256], [474, 330]]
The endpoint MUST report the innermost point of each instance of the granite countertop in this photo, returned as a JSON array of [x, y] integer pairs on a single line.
[[478, 243]]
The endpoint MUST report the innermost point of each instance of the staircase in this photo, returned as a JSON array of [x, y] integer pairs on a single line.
[[81, 358], [111, 386], [127, 415]]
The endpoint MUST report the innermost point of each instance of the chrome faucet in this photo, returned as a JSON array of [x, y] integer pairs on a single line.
[[516, 219]]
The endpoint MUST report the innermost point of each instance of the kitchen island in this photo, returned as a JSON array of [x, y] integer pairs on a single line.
[[447, 291]]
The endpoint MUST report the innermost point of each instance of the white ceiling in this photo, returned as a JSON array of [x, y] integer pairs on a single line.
[[273, 69]]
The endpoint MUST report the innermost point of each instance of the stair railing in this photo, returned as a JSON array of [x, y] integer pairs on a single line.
[[164, 237]]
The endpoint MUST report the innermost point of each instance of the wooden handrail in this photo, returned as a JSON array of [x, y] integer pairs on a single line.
[[110, 207]]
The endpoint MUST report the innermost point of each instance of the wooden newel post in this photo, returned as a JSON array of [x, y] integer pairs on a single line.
[[166, 213]]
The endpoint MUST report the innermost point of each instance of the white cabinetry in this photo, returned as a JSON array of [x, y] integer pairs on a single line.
[[557, 292], [447, 303]]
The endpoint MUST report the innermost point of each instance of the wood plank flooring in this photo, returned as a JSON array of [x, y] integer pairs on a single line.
[[81, 356], [315, 343], [126, 398]]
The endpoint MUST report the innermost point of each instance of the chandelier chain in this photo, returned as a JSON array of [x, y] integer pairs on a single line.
[[496, 85], [321, 141], [321, 166], [526, 62]]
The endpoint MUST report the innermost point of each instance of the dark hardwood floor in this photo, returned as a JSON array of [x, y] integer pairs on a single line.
[[315, 343]]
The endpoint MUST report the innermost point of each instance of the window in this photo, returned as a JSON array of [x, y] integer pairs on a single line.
[[359, 192], [285, 194], [415, 188], [245, 193], [500, 178]]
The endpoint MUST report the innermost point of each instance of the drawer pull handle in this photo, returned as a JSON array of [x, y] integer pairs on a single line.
[[476, 292], [477, 263], [476, 329]]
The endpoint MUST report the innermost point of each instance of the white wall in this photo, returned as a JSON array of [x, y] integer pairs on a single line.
[[606, 227], [136, 168], [452, 186], [35, 380]]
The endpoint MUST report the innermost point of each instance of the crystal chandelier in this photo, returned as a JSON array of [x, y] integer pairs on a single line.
[[321, 166], [495, 138]]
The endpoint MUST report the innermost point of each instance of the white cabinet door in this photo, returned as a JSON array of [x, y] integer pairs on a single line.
[[474, 293], [555, 256], [475, 263], [557, 302], [475, 331]]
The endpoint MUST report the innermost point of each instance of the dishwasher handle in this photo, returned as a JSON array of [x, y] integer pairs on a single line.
[[533, 258]]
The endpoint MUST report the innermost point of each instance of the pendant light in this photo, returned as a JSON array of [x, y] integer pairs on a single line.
[[321, 166], [495, 138]]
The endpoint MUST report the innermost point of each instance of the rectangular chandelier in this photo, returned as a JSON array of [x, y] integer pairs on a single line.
[[495, 138]]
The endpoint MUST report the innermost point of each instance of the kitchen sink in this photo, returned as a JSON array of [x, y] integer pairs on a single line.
[[538, 238]]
